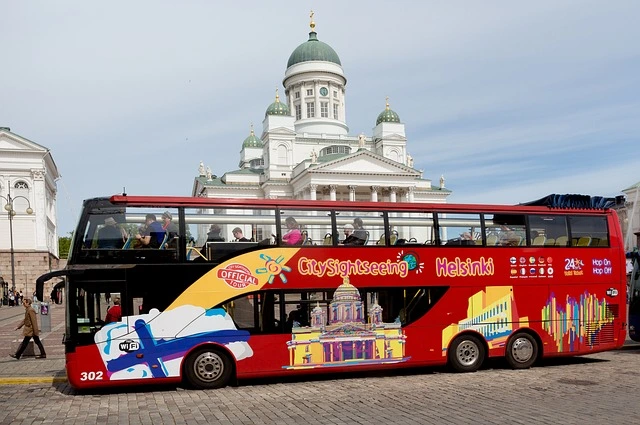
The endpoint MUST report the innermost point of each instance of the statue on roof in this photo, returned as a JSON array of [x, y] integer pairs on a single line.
[[201, 169], [314, 156], [442, 181], [409, 161], [208, 173], [361, 140]]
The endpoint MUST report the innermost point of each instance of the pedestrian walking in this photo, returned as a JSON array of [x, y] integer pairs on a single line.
[[31, 330]]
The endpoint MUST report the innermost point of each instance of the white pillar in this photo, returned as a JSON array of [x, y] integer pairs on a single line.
[[332, 192], [392, 193], [352, 193], [312, 191], [410, 191], [374, 193]]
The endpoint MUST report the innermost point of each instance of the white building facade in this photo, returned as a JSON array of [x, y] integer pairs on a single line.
[[304, 150], [28, 176]]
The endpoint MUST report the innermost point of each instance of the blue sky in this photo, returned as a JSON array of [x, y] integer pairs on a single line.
[[510, 101]]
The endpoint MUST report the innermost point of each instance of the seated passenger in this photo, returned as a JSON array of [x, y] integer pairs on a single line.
[[170, 229], [359, 235], [466, 239], [348, 230], [152, 235], [214, 234], [111, 235], [237, 233], [294, 235], [114, 313]]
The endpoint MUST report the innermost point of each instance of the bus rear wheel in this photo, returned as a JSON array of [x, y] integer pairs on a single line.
[[208, 368], [522, 351], [466, 353]]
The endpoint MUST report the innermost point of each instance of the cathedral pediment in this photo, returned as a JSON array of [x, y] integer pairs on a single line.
[[363, 161], [11, 141]]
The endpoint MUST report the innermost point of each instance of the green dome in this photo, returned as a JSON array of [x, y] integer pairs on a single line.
[[278, 108], [313, 50], [252, 141], [388, 115]]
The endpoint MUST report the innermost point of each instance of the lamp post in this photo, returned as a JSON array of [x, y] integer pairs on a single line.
[[10, 213]]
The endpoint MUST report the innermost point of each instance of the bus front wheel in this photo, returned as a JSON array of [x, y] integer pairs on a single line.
[[522, 351], [208, 368], [466, 353]]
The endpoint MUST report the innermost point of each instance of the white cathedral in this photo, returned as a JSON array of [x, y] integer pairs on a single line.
[[305, 150]]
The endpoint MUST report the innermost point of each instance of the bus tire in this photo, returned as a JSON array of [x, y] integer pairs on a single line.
[[208, 368], [466, 353], [522, 351]]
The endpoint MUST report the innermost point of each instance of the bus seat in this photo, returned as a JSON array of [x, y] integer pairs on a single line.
[[366, 241], [127, 244], [381, 241], [584, 241], [603, 242], [550, 242], [594, 242], [328, 240], [394, 237], [164, 241], [539, 240], [492, 240], [561, 241]]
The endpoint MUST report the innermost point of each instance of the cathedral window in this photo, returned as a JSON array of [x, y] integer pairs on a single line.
[[309, 92], [335, 94], [298, 111], [311, 110], [335, 149], [21, 185], [335, 111], [297, 95], [324, 109]]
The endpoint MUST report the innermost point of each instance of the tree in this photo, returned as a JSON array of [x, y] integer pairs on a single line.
[[64, 243]]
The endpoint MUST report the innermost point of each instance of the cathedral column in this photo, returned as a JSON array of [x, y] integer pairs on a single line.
[[352, 192], [38, 202], [392, 193], [312, 191], [411, 191], [374, 193], [332, 192]]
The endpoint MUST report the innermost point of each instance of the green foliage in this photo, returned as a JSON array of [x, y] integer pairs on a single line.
[[64, 243]]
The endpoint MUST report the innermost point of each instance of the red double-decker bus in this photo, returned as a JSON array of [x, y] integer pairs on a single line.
[[215, 290]]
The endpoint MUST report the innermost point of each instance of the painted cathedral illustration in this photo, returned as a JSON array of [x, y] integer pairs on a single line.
[[348, 336]]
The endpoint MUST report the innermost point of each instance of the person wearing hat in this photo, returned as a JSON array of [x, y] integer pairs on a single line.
[[170, 229], [111, 236], [237, 233], [214, 234], [348, 230], [359, 235]]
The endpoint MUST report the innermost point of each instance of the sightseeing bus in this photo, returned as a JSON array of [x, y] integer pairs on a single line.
[[283, 288], [633, 295]]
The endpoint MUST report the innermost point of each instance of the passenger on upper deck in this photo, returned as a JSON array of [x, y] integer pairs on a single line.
[[111, 235], [170, 229], [237, 233], [153, 233], [359, 235], [348, 230], [294, 235], [214, 234]]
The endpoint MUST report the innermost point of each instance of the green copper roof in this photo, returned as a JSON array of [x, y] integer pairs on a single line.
[[313, 50], [252, 141], [277, 108], [388, 115]]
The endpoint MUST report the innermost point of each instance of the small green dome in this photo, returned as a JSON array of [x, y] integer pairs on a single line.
[[388, 115], [252, 141], [313, 50], [278, 108]]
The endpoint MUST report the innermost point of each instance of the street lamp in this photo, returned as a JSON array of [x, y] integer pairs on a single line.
[[10, 213]]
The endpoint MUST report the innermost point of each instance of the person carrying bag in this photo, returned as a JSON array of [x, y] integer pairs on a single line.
[[31, 330]]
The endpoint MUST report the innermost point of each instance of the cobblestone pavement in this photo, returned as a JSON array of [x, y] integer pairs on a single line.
[[593, 389], [584, 390]]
